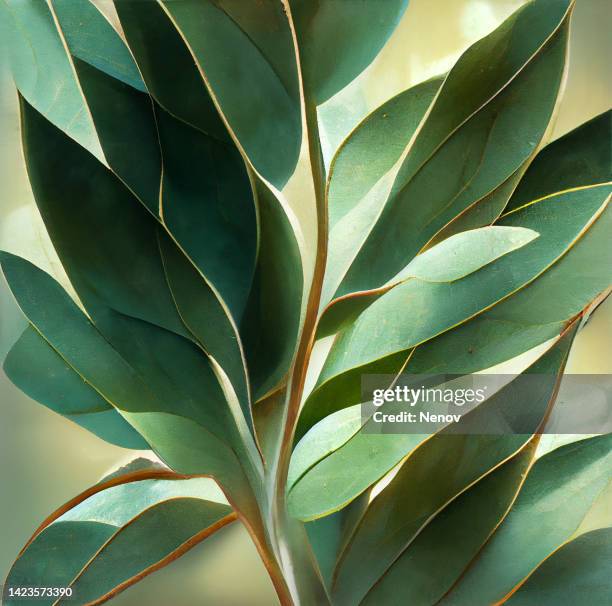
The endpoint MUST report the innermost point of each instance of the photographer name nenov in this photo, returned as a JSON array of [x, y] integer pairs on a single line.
[[422, 395]]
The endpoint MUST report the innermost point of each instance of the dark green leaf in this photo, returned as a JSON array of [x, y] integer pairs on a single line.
[[256, 48], [271, 322], [338, 42], [582, 157], [207, 204]]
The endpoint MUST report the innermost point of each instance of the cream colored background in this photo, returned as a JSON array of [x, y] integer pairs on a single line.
[[45, 460]]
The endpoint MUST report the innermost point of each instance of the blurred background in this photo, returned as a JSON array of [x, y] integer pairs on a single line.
[[45, 460]]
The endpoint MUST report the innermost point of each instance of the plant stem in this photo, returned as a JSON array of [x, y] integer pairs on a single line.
[[298, 376], [288, 535]]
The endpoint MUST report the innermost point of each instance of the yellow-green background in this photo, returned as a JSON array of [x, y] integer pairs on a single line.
[[45, 460]]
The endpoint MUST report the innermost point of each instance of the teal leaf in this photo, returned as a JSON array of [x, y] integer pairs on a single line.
[[112, 539], [581, 157], [443, 466], [230, 37], [336, 44], [40, 372], [366, 456], [477, 134], [558, 494]]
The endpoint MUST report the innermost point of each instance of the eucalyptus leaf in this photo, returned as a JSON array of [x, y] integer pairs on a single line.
[[326, 30], [97, 546], [443, 466], [557, 495], [39, 371], [476, 143], [229, 37]]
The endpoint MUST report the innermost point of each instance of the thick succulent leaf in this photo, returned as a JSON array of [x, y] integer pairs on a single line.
[[578, 572], [40, 372], [450, 260], [477, 134], [366, 456], [254, 45], [417, 311], [453, 537], [113, 539], [207, 204], [444, 466], [558, 494], [270, 326], [337, 44], [368, 153], [466, 252], [171, 425], [581, 157]]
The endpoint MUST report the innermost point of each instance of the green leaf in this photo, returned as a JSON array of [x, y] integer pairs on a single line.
[[129, 302], [125, 124], [466, 252], [363, 159], [173, 426], [487, 120], [271, 322], [171, 76], [112, 539], [581, 157], [108, 246], [535, 313], [323, 439], [232, 37], [443, 466], [43, 71], [90, 37], [417, 311], [453, 537], [37, 369], [556, 497], [579, 571], [328, 535], [374, 146], [205, 315], [337, 44], [207, 204], [89, 88], [450, 260], [366, 456]]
